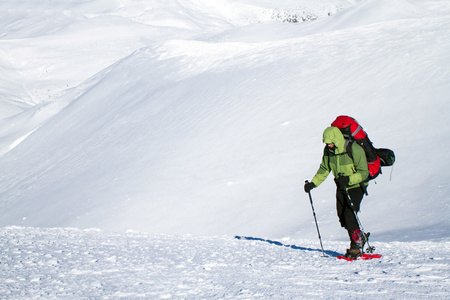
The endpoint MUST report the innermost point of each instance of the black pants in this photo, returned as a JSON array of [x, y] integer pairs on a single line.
[[344, 211]]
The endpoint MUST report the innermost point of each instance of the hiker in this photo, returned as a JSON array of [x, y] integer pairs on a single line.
[[350, 173]]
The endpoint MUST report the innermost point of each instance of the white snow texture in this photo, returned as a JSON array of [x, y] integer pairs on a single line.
[[158, 149]]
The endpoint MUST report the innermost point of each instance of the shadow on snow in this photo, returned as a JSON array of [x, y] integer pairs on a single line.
[[329, 253]]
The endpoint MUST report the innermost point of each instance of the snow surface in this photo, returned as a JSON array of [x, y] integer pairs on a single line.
[[72, 263], [172, 127]]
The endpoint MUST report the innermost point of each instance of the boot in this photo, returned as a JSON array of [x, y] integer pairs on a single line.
[[353, 253], [356, 244]]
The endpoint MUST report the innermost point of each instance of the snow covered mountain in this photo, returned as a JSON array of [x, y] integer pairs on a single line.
[[191, 117], [210, 124]]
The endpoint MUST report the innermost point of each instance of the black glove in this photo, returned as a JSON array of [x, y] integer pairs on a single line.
[[309, 186], [342, 181]]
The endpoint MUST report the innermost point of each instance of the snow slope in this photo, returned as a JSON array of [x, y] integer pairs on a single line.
[[187, 117], [207, 133]]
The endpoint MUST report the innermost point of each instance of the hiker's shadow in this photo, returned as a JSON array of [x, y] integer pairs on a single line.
[[327, 252]]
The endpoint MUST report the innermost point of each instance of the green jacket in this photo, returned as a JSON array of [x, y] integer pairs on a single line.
[[337, 160]]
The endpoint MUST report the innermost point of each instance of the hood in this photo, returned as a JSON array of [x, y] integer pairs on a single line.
[[334, 135]]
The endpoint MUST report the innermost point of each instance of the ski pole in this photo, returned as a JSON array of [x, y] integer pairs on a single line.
[[369, 248], [315, 219]]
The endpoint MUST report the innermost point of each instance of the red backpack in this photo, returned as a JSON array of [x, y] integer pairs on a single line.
[[354, 133]]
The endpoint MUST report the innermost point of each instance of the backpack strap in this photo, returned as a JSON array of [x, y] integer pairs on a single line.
[[348, 148], [357, 130]]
